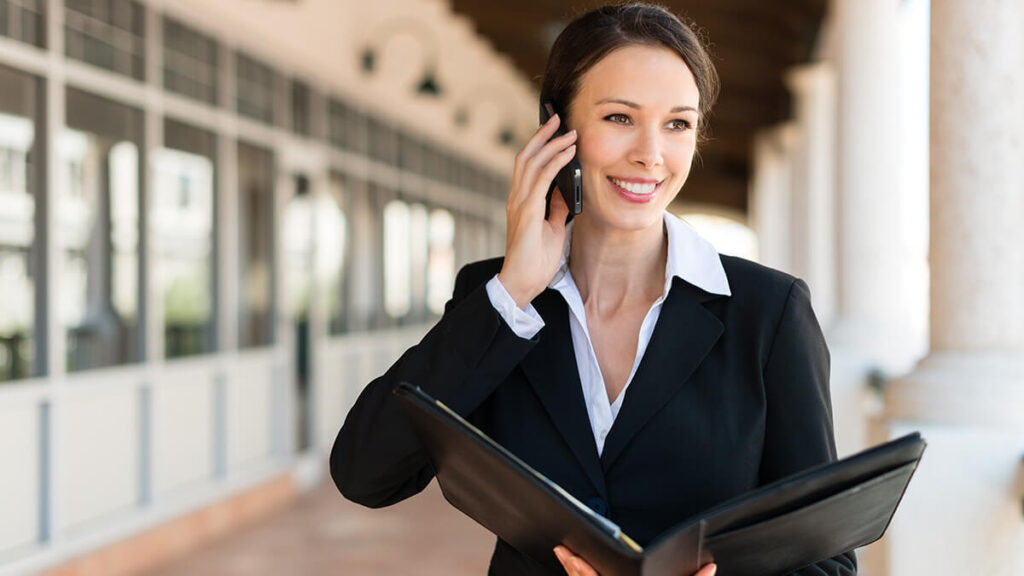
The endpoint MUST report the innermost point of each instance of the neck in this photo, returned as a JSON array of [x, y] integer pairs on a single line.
[[613, 268]]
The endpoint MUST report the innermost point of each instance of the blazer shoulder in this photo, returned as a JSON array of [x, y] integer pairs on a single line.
[[753, 283], [476, 274]]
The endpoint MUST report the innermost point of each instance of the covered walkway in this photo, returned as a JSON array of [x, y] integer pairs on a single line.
[[323, 534]]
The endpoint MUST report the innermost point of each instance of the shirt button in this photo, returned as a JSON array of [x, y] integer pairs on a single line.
[[597, 505]]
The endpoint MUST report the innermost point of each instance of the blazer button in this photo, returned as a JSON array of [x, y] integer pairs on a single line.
[[597, 505]]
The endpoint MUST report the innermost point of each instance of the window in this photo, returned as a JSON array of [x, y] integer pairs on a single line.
[[440, 261], [410, 153], [366, 279], [183, 238], [383, 142], [397, 259], [256, 246], [22, 20], [255, 86], [106, 33], [19, 254], [301, 102], [190, 62], [97, 203], [346, 127], [419, 250], [332, 252]]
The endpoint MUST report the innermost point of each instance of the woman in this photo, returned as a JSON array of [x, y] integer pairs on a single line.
[[712, 369]]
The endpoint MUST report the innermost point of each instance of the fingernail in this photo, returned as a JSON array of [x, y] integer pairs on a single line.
[[714, 568], [573, 132], [559, 553]]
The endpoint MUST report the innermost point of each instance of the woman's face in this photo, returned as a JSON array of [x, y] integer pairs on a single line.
[[636, 117]]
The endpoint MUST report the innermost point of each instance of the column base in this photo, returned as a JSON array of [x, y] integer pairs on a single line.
[[961, 388]]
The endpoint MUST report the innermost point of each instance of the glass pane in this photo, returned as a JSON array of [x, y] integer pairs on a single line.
[[255, 85], [441, 261], [106, 33], [297, 247], [183, 238], [332, 252], [22, 20], [397, 259], [190, 62], [98, 215], [383, 142], [365, 279], [255, 245], [336, 123], [19, 95], [419, 239], [301, 103]]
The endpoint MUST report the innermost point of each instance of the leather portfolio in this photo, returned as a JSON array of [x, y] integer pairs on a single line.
[[775, 529]]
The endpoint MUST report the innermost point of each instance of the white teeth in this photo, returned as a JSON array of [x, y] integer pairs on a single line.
[[634, 187]]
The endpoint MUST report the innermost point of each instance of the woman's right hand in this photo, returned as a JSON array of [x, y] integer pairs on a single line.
[[533, 245]]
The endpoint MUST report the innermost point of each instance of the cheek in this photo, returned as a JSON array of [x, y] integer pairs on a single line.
[[596, 150], [680, 157]]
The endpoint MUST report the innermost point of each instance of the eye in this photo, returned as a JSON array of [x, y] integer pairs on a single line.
[[617, 118], [680, 125]]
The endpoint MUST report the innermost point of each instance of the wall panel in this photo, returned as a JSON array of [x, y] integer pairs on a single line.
[[183, 427], [98, 446], [20, 483]]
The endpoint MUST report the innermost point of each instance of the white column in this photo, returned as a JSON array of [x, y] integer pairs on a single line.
[[866, 330], [813, 240], [770, 194], [963, 512], [869, 325]]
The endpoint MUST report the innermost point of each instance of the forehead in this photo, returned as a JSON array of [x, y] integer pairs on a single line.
[[648, 75]]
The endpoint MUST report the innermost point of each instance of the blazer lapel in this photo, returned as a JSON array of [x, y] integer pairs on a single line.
[[551, 369], [684, 334]]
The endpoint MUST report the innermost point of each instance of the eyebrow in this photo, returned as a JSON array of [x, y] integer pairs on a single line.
[[636, 106]]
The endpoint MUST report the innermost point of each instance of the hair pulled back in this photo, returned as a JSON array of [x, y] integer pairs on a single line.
[[595, 34]]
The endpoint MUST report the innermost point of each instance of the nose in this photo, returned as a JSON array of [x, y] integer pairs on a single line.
[[647, 149]]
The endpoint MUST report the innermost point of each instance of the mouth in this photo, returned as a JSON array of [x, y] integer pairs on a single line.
[[639, 191]]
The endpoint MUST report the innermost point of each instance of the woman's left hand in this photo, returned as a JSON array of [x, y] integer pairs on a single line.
[[576, 566]]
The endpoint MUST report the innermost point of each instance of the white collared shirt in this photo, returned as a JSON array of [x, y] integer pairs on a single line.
[[690, 257]]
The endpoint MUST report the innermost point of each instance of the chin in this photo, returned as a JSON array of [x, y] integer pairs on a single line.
[[626, 219]]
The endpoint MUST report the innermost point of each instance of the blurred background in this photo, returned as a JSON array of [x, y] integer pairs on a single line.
[[220, 219]]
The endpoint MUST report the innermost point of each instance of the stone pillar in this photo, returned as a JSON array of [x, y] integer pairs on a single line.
[[963, 511], [812, 214], [868, 328], [770, 193]]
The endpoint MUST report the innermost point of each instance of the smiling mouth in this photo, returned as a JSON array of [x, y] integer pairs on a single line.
[[636, 189]]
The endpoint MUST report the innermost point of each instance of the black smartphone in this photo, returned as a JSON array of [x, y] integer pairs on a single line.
[[570, 178]]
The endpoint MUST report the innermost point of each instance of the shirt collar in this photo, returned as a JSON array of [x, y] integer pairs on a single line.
[[690, 258]]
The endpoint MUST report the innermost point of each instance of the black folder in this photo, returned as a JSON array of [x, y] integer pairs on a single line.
[[775, 529]]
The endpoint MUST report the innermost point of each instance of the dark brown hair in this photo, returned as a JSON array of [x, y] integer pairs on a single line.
[[595, 34]]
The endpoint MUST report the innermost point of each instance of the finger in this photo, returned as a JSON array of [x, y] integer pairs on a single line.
[[564, 556], [582, 568], [707, 570], [542, 135], [539, 187], [533, 166]]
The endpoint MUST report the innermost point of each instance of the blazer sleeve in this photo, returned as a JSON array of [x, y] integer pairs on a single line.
[[376, 460], [799, 431]]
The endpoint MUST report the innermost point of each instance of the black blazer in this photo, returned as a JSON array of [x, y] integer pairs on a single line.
[[731, 393]]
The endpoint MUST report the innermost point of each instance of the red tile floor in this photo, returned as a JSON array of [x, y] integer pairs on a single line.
[[323, 534]]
